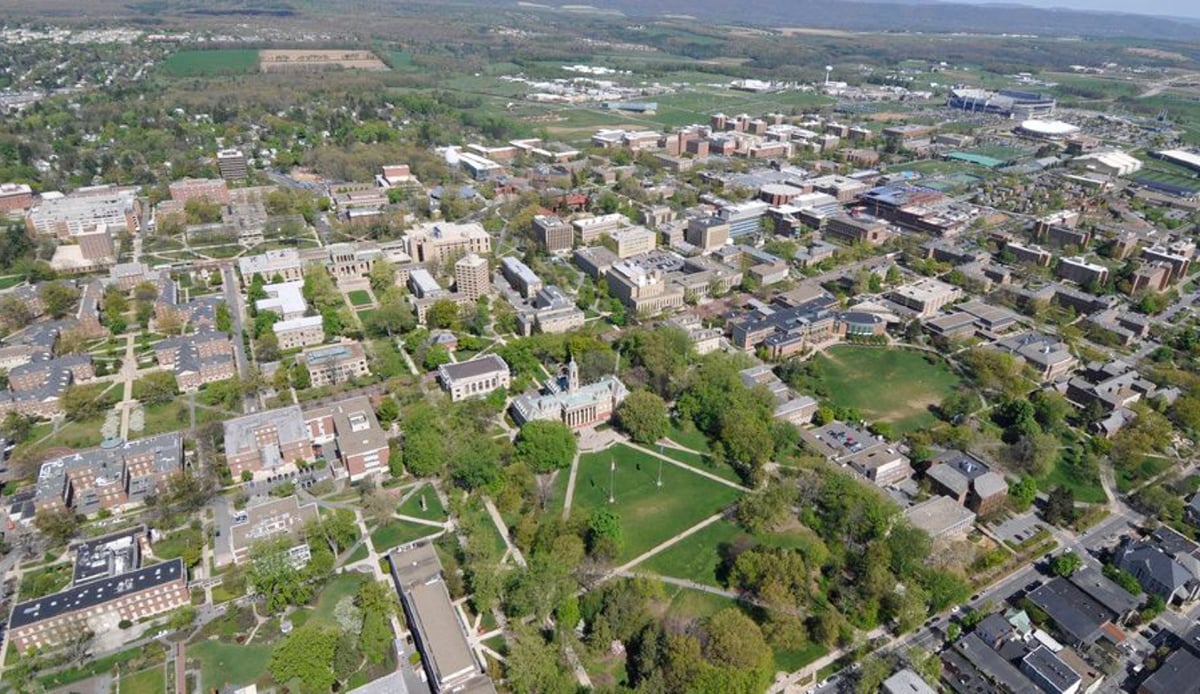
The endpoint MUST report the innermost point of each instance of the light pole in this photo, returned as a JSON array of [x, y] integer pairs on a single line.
[[612, 478], [660, 462]]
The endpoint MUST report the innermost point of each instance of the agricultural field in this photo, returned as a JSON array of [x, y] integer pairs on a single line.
[[212, 63], [649, 514], [885, 385], [272, 60]]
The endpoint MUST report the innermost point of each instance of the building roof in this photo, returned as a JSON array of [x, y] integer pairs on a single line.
[[985, 659], [444, 644], [1148, 562], [1104, 591], [265, 520], [108, 556], [1178, 674], [95, 593], [907, 682], [1047, 665], [479, 366], [1074, 612], [938, 515], [239, 431]]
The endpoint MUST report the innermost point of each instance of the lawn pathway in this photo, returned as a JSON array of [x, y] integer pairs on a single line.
[[503, 529], [690, 468], [684, 583], [570, 495], [661, 547]]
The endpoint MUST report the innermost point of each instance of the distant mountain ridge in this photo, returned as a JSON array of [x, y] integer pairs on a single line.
[[909, 16]]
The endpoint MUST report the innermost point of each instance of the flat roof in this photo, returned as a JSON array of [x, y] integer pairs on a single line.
[[479, 366], [95, 593], [418, 572]]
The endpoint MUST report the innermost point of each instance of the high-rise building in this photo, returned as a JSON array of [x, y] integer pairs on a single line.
[[232, 164], [471, 276], [707, 233], [553, 234]]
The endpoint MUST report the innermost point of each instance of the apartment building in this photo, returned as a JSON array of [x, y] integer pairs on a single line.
[[520, 276], [109, 478], [348, 431], [445, 241], [299, 332], [1078, 270], [232, 164], [471, 276], [124, 592], [553, 234], [197, 359], [336, 363], [476, 377], [266, 441]]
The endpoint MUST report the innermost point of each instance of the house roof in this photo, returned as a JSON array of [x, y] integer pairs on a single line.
[[1104, 591], [1074, 613], [1178, 674]]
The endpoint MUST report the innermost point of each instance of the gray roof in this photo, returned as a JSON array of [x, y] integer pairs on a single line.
[[479, 366], [990, 484], [95, 593], [1150, 565], [108, 465], [997, 669], [907, 682], [1044, 663], [288, 421], [1178, 674], [1104, 591], [1074, 613]]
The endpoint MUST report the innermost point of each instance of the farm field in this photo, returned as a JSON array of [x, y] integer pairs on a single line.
[[212, 63], [649, 514], [886, 385], [272, 60]]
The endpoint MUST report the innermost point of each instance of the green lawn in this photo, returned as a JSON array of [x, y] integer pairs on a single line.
[[649, 514], [229, 663], [45, 580], [199, 63], [10, 281], [887, 385], [358, 554], [365, 314], [1086, 490], [339, 587], [396, 533], [687, 435], [1128, 478], [433, 505], [152, 681], [359, 297], [699, 557], [163, 417]]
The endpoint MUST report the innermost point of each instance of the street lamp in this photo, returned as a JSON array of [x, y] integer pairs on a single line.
[[612, 478]]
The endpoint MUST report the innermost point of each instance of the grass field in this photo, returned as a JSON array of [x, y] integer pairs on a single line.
[[886, 385], [1086, 490], [338, 588], [11, 281], [229, 663], [152, 681], [1128, 478], [396, 533], [649, 514], [699, 557], [433, 505], [359, 297], [687, 435], [224, 61]]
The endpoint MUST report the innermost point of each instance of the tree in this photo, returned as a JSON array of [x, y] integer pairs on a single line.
[[604, 532], [155, 388], [546, 445], [1022, 493], [1066, 564], [306, 656], [387, 411], [535, 667], [346, 656], [16, 427], [382, 275], [57, 526], [734, 640], [435, 356], [81, 402], [376, 602], [224, 319], [14, 312], [1060, 506], [644, 416], [266, 348], [301, 378], [58, 298], [273, 576], [442, 314]]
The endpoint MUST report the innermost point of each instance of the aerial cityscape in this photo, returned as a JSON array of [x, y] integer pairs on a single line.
[[656, 347]]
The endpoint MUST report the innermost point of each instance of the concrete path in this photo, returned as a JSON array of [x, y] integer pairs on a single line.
[[690, 468], [570, 495], [684, 583], [661, 547], [502, 528]]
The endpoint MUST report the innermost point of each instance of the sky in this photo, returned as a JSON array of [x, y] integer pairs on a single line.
[[1173, 8]]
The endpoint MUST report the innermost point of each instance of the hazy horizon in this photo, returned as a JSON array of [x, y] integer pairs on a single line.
[[1169, 8]]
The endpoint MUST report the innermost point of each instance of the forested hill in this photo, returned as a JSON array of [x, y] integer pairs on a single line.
[[910, 16]]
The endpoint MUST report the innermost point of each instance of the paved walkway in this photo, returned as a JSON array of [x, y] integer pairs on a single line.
[[684, 583], [570, 495], [690, 468], [661, 547], [502, 528]]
